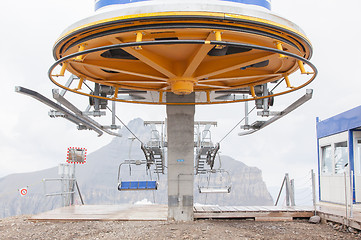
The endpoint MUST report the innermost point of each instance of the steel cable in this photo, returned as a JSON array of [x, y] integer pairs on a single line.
[[248, 113], [135, 136]]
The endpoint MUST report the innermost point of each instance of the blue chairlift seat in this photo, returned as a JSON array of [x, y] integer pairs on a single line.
[[137, 185]]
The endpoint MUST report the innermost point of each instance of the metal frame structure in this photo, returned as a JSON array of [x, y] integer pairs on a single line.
[[219, 50], [214, 180], [224, 186], [67, 110], [154, 149], [132, 185], [68, 183], [237, 90], [258, 125], [179, 55], [150, 160], [206, 150]]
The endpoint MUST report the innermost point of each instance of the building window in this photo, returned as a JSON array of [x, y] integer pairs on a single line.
[[341, 157], [326, 165]]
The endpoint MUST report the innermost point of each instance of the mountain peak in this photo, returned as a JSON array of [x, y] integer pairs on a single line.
[[98, 180]]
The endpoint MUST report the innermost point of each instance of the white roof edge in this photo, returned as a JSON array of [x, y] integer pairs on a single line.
[[179, 6]]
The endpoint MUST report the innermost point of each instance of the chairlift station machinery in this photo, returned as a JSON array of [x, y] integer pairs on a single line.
[[180, 53]]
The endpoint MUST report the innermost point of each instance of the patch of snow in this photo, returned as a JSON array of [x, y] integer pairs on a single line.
[[143, 202], [203, 205]]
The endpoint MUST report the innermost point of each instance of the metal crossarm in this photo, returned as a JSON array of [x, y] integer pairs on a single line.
[[262, 124], [67, 114], [79, 113]]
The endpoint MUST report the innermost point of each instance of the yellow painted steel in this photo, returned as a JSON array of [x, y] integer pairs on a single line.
[[302, 67], [160, 97], [81, 81], [279, 47], [81, 48], [288, 83], [183, 68], [62, 71], [218, 36], [139, 39], [253, 93], [182, 86], [198, 103], [116, 93]]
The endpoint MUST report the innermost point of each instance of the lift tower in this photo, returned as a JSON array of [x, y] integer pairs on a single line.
[[181, 53]]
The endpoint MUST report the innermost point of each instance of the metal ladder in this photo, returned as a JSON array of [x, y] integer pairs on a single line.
[[201, 159], [158, 159], [205, 152], [154, 153]]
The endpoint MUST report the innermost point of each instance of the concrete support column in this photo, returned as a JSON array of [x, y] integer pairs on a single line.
[[180, 131]]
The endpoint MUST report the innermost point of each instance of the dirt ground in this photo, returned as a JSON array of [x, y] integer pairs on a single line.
[[22, 228]]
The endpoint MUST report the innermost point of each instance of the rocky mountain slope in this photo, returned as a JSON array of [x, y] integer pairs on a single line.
[[98, 180]]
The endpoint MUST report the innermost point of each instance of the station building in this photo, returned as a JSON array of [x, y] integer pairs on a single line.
[[339, 158]]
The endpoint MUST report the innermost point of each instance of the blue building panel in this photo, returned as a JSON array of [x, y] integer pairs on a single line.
[[345, 121], [352, 162]]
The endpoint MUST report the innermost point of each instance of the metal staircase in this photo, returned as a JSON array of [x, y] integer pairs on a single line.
[[158, 160], [206, 156], [201, 159], [205, 149], [154, 149]]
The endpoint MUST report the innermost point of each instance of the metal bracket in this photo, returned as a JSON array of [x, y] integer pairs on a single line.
[[267, 113], [262, 124], [72, 113]]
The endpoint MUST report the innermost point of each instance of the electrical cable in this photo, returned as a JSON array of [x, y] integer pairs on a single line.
[[248, 113]]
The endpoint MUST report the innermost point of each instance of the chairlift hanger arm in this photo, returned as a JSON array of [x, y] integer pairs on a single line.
[[211, 155], [225, 187], [79, 113], [134, 185], [289, 109], [68, 115]]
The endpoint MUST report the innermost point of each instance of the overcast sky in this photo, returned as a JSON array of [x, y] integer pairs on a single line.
[[30, 140]]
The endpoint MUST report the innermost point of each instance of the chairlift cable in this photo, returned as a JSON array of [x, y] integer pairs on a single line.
[[248, 113], [126, 127], [237, 124]]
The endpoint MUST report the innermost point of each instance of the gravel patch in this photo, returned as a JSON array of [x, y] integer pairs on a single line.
[[22, 228]]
